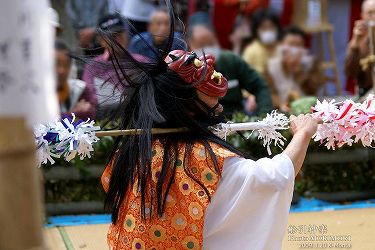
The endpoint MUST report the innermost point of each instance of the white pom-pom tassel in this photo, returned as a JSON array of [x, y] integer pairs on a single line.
[[269, 132], [72, 140], [267, 129]]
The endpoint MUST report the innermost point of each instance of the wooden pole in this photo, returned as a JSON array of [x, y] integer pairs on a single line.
[[21, 219], [139, 131]]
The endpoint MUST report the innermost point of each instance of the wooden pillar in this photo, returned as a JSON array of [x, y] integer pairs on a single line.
[[21, 217]]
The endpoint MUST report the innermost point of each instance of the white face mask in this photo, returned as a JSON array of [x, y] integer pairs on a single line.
[[212, 50], [268, 37]]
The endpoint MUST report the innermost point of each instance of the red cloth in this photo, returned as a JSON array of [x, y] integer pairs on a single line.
[[225, 14], [191, 7], [286, 15], [224, 17]]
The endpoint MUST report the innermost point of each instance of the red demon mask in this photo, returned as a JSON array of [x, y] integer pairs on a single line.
[[199, 72]]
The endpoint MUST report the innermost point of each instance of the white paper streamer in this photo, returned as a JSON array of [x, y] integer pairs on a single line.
[[72, 140], [346, 123], [267, 129]]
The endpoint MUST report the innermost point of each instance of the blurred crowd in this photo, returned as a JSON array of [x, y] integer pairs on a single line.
[[269, 66]]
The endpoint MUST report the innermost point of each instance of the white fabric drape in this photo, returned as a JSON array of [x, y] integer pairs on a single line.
[[250, 207]]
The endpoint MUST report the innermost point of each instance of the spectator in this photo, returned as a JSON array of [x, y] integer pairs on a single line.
[[265, 28], [240, 76], [100, 70], [84, 16], [75, 96], [293, 73], [359, 48], [151, 42]]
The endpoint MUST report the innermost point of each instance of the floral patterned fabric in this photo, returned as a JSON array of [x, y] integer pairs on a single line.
[[181, 226]]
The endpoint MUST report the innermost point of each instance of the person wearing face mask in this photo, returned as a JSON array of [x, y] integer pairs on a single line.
[[293, 73], [359, 48], [240, 75], [265, 29]]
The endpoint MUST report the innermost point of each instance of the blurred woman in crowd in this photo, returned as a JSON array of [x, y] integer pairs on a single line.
[[265, 28], [75, 96], [293, 73]]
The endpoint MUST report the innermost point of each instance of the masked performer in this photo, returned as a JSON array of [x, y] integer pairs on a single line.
[[191, 190]]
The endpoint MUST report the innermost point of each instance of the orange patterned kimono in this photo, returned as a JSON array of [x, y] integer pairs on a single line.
[[181, 226]]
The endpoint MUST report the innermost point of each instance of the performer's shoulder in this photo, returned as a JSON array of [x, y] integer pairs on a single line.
[[222, 151], [200, 149], [219, 150]]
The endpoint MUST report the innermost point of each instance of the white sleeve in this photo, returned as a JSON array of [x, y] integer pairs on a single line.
[[251, 197], [275, 173]]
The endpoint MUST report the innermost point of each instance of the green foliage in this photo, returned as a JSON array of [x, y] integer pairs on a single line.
[[71, 190], [303, 105], [339, 177], [99, 156], [83, 190]]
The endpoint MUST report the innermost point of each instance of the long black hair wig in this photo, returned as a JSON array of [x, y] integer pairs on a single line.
[[154, 97]]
